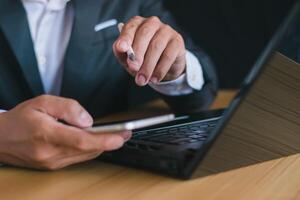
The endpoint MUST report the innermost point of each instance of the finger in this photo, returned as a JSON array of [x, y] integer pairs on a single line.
[[153, 54], [143, 36], [68, 156], [126, 38], [64, 109], [127, 34], [167, 59], [83, 141], [175, 70], [110, 141], [122, 58], [71, 160]]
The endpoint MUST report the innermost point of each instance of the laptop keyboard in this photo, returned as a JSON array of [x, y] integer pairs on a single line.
[[179, 134]]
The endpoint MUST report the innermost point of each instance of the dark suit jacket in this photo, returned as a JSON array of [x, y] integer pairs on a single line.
[[91, 73]]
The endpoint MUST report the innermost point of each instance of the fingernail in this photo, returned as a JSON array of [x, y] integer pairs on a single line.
[[123, 45], [141, 80], [127, 136], [86, 119], [154, 80]]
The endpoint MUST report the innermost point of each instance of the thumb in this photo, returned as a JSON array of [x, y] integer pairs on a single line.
[[122, 58], [65, 109]]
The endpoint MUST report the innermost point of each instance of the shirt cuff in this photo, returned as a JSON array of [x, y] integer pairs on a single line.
[[185, 84]]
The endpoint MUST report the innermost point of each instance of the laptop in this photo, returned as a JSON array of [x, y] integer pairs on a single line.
[[262, 123]]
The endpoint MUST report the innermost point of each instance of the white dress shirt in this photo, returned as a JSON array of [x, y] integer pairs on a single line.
[[51, 22]]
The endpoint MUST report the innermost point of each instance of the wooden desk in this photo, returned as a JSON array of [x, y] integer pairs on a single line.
[[277, 179]]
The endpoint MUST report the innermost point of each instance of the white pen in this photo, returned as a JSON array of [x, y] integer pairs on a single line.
[[130, 52]]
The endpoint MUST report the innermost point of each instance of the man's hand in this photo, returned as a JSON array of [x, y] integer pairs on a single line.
[[159, 50], [31, 135]]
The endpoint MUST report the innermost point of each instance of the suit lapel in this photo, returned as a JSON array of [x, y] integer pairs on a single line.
[[76, 61], [14, 24]]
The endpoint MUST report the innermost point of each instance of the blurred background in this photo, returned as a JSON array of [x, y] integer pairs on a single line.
[[234, 32]]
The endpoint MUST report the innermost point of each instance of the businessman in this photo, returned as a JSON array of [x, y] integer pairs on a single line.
[[64, 60]]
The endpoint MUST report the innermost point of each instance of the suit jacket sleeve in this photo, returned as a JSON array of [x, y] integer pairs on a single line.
[[198, 100]]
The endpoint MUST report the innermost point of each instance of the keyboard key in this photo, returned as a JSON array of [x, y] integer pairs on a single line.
[[197, 136], [192, 141], [177, 141]]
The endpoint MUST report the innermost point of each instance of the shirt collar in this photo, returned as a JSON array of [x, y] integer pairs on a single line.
[[54, 5]]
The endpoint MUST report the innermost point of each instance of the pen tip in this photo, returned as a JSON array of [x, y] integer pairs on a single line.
[[131, 57]]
